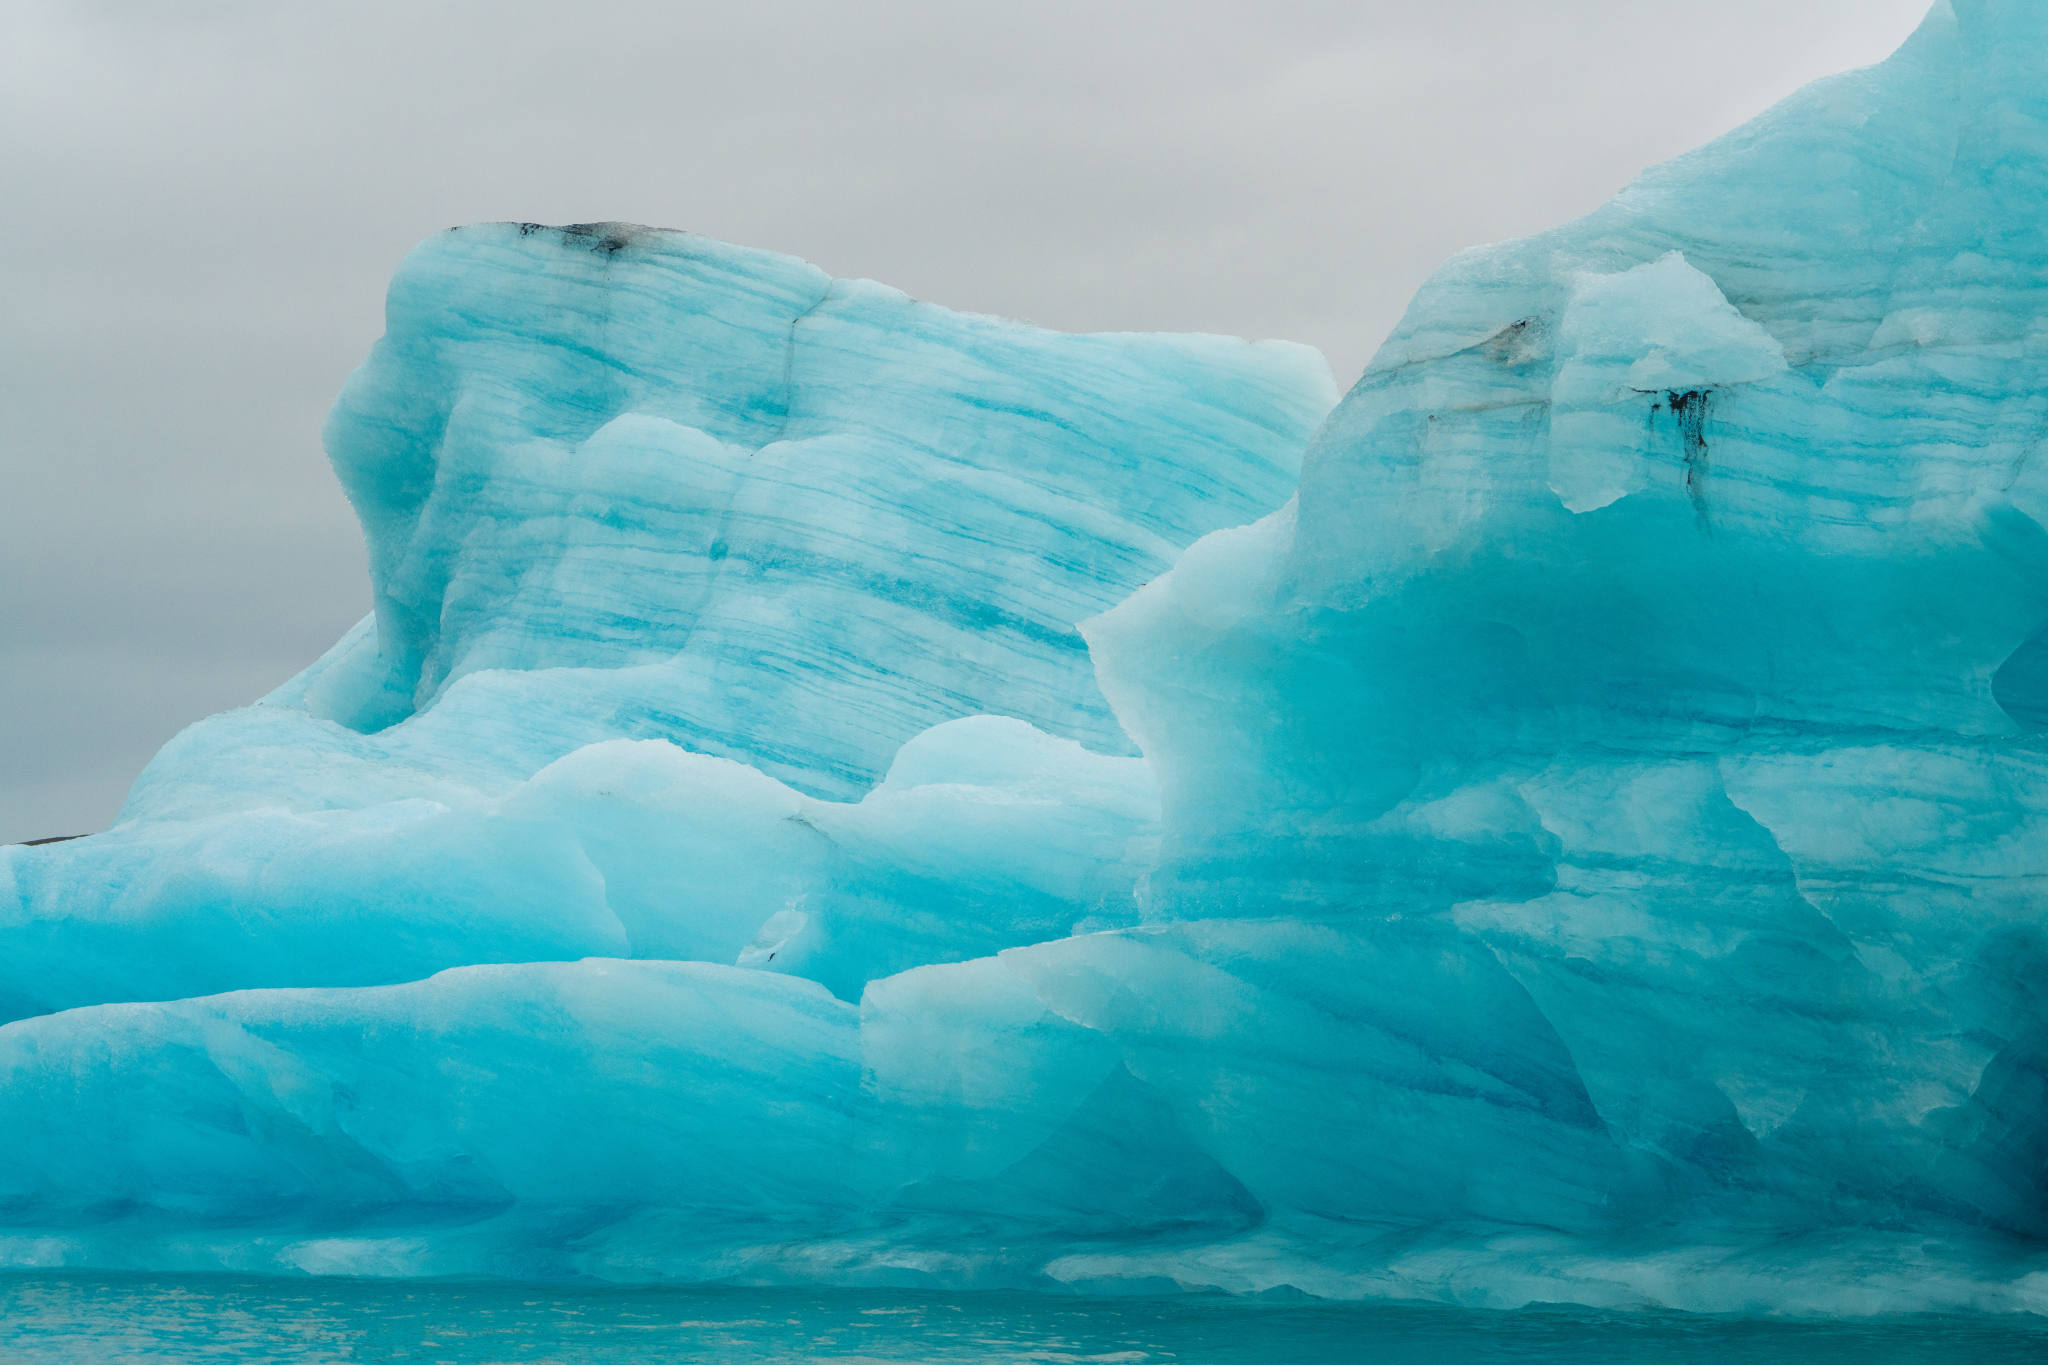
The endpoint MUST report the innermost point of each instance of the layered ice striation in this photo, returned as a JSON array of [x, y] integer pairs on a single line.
[[1587, 845], [693, 568]]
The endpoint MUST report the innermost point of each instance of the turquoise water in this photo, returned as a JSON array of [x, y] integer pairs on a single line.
[[66, 1316]]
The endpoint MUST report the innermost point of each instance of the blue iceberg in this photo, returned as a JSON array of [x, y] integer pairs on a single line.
[[840, 791]]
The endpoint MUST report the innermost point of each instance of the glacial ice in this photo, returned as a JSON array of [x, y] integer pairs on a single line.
[[1586, 844], [783, 531]]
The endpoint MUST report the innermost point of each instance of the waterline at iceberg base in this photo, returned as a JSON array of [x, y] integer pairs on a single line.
[[1566, 823]]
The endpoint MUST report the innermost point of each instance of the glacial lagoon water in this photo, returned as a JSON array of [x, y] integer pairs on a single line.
[[115, 1318]]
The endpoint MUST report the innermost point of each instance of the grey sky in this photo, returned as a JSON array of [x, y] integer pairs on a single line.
[[202, 203]]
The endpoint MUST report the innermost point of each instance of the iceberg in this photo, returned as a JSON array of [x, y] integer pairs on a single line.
[[692, 568], [838, 791]]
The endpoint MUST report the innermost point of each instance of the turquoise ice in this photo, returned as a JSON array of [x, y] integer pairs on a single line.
[[837, 791], [676, 546]]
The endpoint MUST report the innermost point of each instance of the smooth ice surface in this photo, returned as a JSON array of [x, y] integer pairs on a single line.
[[1587, 846]]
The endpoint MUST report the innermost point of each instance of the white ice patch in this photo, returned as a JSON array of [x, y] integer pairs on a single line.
[[1658, 329], [775, 935]]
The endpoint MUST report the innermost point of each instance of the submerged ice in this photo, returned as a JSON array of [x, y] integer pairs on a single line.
[[838, 790]]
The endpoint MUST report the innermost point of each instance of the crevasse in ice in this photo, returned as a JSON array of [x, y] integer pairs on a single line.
[[1587, 845]]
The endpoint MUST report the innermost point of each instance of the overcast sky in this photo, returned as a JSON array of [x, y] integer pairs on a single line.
[[202, 203]]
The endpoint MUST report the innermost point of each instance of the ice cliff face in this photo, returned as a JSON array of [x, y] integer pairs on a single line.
[[1587, 846], [789, 520]]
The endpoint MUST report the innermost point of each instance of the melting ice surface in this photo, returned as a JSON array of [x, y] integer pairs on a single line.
[[1586, 845]]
